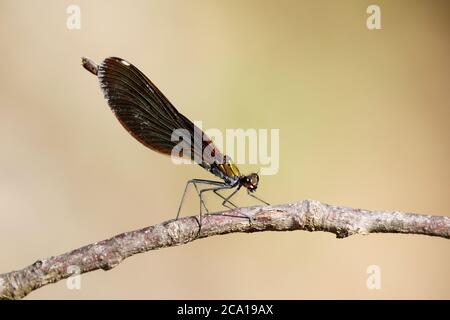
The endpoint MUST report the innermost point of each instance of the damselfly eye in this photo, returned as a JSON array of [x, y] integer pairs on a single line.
[[254, 179]]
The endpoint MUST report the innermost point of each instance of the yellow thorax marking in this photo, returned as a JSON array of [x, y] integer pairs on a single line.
[[230, 169]]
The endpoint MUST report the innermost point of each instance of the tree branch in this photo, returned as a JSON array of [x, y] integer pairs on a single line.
[[310, 215]]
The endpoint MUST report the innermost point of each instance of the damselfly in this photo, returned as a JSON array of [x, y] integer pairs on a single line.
[[149, 117]]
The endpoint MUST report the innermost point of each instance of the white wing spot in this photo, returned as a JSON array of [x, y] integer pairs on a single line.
[[126, 63]]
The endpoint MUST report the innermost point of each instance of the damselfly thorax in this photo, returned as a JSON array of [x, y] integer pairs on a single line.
[[150, 117]]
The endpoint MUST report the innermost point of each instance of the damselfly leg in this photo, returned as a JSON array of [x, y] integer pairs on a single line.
[[195, 182], [226, 200], [257, 198], [219, 186]]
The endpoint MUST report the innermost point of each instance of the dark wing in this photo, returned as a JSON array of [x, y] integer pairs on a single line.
[[145, 112]]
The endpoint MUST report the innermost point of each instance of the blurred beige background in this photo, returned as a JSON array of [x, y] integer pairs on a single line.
[[363, 118]]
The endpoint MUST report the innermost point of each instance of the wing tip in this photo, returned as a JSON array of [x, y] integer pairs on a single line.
[[89, 65]]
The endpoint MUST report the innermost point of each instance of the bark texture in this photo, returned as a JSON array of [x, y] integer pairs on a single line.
[[309, 215]]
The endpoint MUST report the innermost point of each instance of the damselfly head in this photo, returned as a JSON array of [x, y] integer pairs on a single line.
[[250, 182]]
